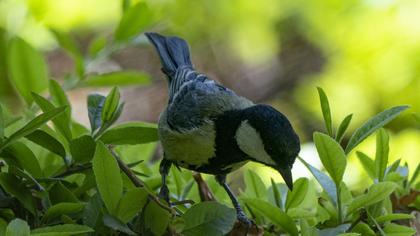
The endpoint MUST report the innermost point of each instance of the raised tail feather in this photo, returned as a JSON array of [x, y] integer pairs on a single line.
[[173, 53]]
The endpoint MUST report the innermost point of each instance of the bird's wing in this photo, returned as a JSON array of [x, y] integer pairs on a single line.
[[199, 100]]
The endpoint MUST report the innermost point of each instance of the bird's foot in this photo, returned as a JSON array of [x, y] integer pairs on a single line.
[[164, 194], [244, 219]]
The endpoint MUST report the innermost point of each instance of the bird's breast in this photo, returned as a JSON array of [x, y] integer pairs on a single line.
[[192, 147]]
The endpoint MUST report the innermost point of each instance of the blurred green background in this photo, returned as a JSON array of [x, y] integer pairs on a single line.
[[364, 53]]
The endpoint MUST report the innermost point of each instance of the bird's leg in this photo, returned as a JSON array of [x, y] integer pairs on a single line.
[[164, 168], [221, 179]]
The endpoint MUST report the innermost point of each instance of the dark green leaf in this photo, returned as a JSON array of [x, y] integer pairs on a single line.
[[131, 203], [391, 217], [324, 180], [272, 213], [130, 133], [255, 188], [332, 156], [60, 193], [111, 105], [17, 189], [295, 197], [32, 125], [82, 149], [59, 97], [115, 224], [376, 193], [66, 229], [108, 178], [343, 127], [382, 151], [95, 105], [208, 218], [134, 20], [119, 78], [61, 122], [2, 124], [27, 68], [25, 157], [156, 218], [17, 227], [3, 226], [47, 141], [326, 112], [61, 209], [92, 214], [372, 125], [367, 163], [20, 173]]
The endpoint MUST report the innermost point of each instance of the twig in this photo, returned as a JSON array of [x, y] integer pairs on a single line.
[[73, 170], [138, 183]]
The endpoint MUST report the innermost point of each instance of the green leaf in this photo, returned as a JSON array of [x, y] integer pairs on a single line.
[[111, 105], [343, 127], [367, 163], [306, 229], [108, 178], [131, 203], [382, 151], [47, 141], [332, 156], [208, 218], [95, 103], [3, 226], [96, 46], [61, 122], [134, 20], [59, 97], [415, 174], [363, 229], [22, 174], [324, 180], [131, 133], [276, 193], [62, 209], [255, 187], [117, 225], [32, 125], [178, 181], [376, 193], [295, 197], [92, 215], [156, 218], [118, 78], [60, 193], [17, 227], [27, 68], [17, 189], [2, 124], [24, 157], [272, 213], [391, 217], [82, 149], [61, 230], [392, 229], [334, 231], [326, 112], [372, 125]]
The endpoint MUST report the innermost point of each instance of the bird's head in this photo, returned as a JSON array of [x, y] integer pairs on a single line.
[[267, 136]]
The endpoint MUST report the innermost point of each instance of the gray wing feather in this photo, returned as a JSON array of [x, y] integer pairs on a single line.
[[199, 100]]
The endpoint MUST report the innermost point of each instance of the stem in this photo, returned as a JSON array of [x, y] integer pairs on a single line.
[[340, 210], [74, 170], [138, 183]]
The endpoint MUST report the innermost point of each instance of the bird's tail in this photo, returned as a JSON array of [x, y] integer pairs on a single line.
[[173, 52]]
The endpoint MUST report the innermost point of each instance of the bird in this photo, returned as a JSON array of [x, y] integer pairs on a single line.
[[208, 128]]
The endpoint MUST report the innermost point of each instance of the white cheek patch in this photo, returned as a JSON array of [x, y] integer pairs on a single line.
[[250, 142]]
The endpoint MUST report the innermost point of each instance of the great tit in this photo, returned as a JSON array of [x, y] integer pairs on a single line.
[[210, 129]]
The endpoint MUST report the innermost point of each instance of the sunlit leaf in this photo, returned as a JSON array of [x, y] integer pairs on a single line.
[[326, 112], [24, 157], [392, 217], [367, 163], [156, 218], [27, 68], [372, 125], [61, 209], [376, 193], [392, 229], [130, 133], [255, 187], [108, 178], [343, 127], [59, 97], [277, 194], [111, 104], [382, 151], [134, 20], [119, 78], [332, 156], [295, 197], [131, 203]]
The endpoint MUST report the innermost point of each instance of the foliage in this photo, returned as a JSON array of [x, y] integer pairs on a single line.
[[61, 178]]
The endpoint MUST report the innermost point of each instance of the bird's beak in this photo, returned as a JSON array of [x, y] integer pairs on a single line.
[[286, 173]]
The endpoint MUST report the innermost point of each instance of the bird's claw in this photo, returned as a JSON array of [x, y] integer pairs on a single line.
[[164, 194]]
